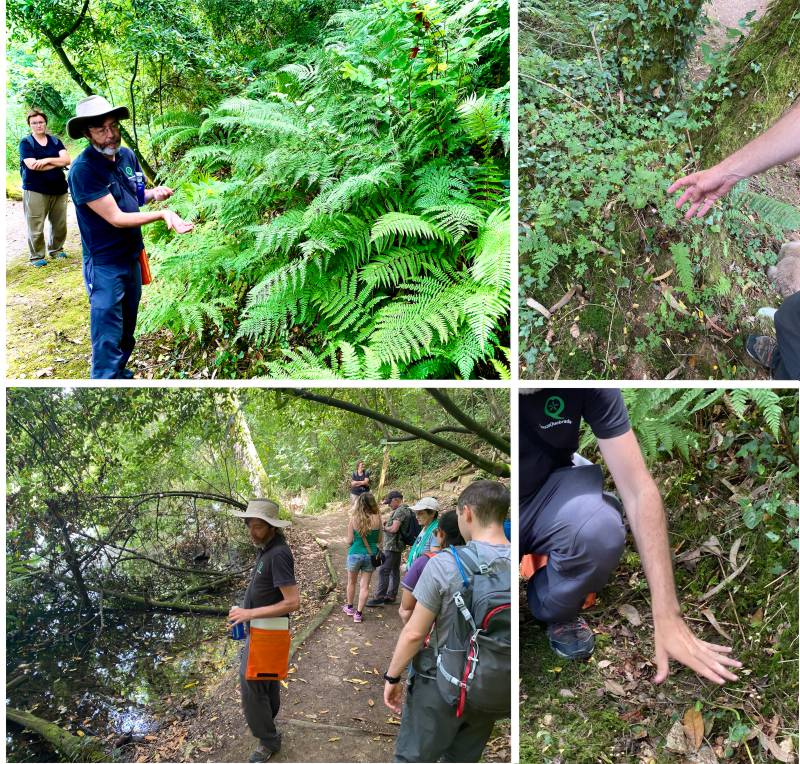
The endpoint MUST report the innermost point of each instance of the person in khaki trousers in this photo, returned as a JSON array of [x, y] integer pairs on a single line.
[[43, 158]]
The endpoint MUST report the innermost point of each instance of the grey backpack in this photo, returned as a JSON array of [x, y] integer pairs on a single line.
[[473, 662]]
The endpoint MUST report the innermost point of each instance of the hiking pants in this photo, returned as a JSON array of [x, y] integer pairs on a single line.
[[786, 361], [38, 208], [580, 529], [389, 576], [114, 292], [261, 702], [431, 731]]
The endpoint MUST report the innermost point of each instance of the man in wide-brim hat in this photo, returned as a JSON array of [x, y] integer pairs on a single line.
[[103, 184], [272, 592]]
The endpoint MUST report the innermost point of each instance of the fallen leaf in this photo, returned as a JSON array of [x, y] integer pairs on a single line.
[[771, 745], [713, 621], [531, 303], [693, 727], [333, 739], [631, 614], [392, 721], [80, 733], [603, 664], [615, 688], [150, 738], [734, 551], [47, 372], [565, 693], [370, 702], [705, 755], [575, 331], [676, 739], [555, 670], [188, 685], [357, 681], [284, 684]]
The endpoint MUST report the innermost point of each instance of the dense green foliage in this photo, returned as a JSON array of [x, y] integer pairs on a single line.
[[726, 463], [352, 204], [606, 108]]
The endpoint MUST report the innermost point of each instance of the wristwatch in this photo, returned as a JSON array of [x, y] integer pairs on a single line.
[[391, 679]]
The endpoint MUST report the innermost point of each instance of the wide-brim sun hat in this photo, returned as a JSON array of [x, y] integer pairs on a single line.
[[90, 108], [426, 503], [263, 509]]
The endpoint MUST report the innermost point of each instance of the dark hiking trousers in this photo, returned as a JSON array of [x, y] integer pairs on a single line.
[[261, 702], [431, 731], [580, 529], [786, 361], [389, 576]]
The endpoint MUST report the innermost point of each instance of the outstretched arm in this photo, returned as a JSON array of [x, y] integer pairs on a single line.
[[777, 145], [108, 209], [673, 637]]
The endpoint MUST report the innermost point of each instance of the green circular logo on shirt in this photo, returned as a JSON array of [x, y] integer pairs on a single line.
[[129, 171], [553, 407]]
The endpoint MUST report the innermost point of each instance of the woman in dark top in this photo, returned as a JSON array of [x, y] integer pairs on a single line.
[[43, 158], [359, 482]]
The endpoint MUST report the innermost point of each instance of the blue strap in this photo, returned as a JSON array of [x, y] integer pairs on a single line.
[[460, 566]]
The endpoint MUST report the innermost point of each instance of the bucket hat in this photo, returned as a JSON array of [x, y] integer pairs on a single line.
[[263, 509], [90, 108], [428, 502]]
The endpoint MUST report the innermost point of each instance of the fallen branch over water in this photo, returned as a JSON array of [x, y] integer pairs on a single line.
[[72, 747]]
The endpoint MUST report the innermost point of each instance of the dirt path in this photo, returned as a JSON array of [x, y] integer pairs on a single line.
[[332, 704]]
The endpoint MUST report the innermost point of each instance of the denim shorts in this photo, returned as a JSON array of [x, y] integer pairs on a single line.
[[356, 562]]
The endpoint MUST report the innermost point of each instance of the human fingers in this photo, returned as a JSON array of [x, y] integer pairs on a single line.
[[662, 665], [686, 180], [694, 209], [718, 648]]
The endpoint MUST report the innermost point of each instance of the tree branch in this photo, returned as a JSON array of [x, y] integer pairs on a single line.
[[433, 431], [498, 441], [74, 28], [501, 469]]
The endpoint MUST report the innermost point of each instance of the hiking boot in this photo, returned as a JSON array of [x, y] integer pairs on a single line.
[[349, 610], [38, 263], [376, 602], [387, 601], [262, 753], [573, 640], [761, 349], [357, 617], [60, 255]]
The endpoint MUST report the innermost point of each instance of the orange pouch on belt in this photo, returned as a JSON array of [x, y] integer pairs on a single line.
[[268, 658], [144, 264]]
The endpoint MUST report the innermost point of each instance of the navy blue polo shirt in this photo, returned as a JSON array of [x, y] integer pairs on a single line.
[[92, 177], [51, 182]]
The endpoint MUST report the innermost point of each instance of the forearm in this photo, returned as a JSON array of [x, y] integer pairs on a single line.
[[649, 527], [135, 219], [778, 145], [408, 645]]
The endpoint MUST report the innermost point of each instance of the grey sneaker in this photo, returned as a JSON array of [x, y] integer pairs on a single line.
[[376, 602], [761, 349], [262, 753], [573, 640]]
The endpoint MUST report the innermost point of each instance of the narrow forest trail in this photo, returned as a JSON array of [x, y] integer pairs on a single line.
[[332, 707]]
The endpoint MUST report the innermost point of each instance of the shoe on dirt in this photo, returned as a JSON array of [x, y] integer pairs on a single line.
[[262, 753], [387, 601], [572, 640], [60, 255], [349, 610], [377, 602], [39, 263], [761, 349], [357, 617]]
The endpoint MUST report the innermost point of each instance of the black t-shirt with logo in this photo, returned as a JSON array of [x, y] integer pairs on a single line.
[[550, 424], [274, 568]]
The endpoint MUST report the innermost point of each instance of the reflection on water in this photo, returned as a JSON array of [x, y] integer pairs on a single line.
[[105, 681]]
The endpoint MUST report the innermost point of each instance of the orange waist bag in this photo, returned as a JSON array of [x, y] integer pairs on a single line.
[[532, 562], [268, 657], [144, 264]]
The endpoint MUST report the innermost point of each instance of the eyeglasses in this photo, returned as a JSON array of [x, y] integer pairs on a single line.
[[111, 128]]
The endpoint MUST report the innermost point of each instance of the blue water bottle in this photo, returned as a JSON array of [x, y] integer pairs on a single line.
[[237, 631], [140, 188]]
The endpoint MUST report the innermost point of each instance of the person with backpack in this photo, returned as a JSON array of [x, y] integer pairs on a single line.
[[565, 515], [447, 535], [426, 511], [364, 533], [395, 531], [461, 682], [42, 159]]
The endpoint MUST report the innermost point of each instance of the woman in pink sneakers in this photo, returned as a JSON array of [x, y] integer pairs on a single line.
[[364, 535]]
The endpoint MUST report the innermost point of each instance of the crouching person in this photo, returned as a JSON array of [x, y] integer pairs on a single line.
[[272, 592], [464, 603]]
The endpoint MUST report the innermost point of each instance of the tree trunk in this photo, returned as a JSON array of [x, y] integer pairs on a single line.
[[71, 747], [384, 470], [70, 556], [244, 446], [766, 71]]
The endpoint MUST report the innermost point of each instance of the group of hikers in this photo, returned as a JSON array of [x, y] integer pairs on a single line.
[[453, 654]]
